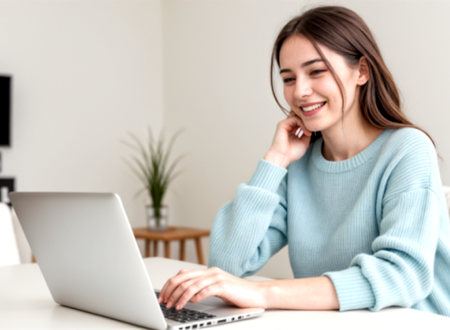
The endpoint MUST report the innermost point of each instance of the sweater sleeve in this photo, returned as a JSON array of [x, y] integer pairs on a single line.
[[252, 227], [400, 270]]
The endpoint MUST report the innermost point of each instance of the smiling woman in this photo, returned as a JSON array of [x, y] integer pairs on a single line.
[[349, 183]]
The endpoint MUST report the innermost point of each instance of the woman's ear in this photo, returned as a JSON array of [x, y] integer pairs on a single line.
[[363, 71]]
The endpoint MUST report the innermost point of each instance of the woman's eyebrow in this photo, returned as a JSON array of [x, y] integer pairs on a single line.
[[305, 64]]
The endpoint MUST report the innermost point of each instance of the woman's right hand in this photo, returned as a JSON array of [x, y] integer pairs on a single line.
[[287, 146]]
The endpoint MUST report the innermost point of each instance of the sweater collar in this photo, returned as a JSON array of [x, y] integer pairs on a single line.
[[348, 164]]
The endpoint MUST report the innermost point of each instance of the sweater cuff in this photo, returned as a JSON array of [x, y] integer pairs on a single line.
[[267, 176], [352, 288]]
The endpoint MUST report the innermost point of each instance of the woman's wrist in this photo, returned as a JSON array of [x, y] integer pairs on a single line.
[[269, 293], [314, 293], [276, 158]]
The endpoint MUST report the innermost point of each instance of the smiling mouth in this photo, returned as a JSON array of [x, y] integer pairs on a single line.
[[313, 107]]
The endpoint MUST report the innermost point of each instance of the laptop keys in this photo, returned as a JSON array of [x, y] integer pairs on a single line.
[[183, 315]]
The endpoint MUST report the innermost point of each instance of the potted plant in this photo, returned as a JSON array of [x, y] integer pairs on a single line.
[[153, 166]]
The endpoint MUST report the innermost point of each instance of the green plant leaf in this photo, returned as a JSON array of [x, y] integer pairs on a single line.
[[151, 164]]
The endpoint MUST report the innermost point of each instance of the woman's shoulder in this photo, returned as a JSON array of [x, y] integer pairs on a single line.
[[408, 139], [409, 150], [409, 161]]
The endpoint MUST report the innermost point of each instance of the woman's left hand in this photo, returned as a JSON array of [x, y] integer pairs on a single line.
[[195, 285]]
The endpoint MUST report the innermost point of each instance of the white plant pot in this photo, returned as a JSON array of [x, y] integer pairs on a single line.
[[153, 221]]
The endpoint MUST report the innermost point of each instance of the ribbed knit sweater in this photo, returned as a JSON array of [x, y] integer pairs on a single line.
[[376, 224]]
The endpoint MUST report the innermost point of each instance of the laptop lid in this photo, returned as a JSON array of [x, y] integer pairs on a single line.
[[88, 255]]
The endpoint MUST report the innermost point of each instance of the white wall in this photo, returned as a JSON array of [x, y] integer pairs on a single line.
[[217, 68], [85, 73]]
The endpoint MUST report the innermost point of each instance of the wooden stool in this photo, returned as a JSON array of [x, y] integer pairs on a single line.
[[172, 233]]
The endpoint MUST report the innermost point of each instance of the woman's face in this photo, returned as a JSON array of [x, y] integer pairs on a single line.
[[310, 88]]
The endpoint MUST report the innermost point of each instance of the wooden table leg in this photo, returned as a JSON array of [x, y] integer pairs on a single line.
[[166, 249], [182, 250], [198, 247], [155, 248], [147, 248]]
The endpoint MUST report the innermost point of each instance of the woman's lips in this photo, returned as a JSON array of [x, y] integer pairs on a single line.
[[311, 110]]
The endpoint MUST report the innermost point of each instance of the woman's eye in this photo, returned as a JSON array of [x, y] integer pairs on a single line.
[[288, 80], [317, 72]]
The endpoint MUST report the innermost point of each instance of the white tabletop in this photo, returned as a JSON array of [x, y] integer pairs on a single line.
[[26, 303]]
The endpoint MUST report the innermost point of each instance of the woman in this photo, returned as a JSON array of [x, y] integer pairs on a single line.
[[349, 183]]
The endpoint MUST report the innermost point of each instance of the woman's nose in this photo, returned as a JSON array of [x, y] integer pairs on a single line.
[[302, 89]]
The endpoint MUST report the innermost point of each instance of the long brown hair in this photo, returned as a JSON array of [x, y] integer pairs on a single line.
[[343, 31]]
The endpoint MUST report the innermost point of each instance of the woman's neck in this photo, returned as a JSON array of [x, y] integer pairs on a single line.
[[345, 141]]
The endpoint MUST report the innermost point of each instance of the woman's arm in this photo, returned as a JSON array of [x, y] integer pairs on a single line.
[[400, 270], [315, 293], [250, 229]]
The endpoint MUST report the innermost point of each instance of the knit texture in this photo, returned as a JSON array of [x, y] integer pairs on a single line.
[[376, 224]]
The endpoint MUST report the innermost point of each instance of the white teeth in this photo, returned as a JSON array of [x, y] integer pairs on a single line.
[[313, 107]]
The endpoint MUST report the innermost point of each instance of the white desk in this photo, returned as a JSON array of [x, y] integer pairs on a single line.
[[25, 303]]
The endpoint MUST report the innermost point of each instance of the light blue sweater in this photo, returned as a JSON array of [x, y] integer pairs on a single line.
[[376, 224]]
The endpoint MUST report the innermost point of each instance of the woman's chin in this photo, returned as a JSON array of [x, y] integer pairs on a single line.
[[314, 128]]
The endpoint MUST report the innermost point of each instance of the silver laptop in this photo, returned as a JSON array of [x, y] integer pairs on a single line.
[[90, 260]]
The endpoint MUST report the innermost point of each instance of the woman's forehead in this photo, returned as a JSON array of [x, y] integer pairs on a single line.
[[297, 50]]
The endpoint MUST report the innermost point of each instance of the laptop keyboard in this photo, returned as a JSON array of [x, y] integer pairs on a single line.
[[183, 315]]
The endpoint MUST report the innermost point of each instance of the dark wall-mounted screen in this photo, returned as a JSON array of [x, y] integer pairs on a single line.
[[5, 110]]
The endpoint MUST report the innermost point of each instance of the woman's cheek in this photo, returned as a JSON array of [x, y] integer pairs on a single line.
[[287, 93]]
